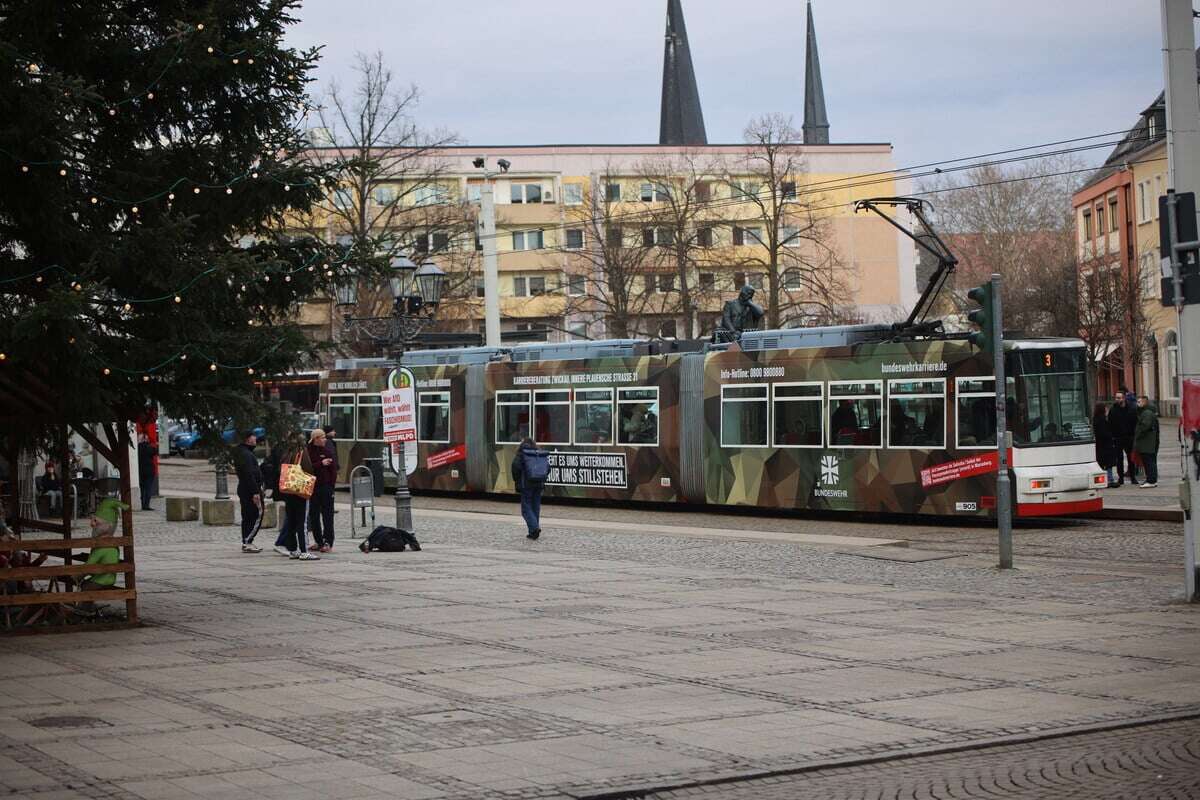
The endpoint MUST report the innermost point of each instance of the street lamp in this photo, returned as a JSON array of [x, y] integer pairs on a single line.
[[416, 294]]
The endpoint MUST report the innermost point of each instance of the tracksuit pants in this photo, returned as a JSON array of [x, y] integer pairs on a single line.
[[251, 517]]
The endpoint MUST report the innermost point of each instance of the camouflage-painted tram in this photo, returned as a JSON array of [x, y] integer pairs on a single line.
[[837, 418]]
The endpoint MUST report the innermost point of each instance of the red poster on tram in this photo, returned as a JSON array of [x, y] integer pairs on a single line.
[[960, 468]]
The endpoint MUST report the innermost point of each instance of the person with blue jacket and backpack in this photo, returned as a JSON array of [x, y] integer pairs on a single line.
[[530, 468]]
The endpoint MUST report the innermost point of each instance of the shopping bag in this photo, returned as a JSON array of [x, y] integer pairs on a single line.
[[294, 480]]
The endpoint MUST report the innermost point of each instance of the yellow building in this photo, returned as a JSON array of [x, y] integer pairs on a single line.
[[1160, 369]]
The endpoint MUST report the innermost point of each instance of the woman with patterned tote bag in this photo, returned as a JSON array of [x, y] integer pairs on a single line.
[[296, 484]]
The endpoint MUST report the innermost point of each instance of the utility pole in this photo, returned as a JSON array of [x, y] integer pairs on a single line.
[[491, 268], [1183, 175], [1003, 484]]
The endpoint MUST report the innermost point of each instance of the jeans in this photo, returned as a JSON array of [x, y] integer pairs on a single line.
[[291, 531], [1125, 465], [1150, 462], [147, 486], [1112, 478], [531, 507], [251, 517], [320, 514], [55, 498]]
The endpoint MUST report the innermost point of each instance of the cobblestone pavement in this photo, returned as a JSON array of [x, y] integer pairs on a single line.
[[588, 662], [1158, 762]]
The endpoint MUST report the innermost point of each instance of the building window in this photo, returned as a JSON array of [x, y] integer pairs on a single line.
[[474, 193], [976, 413], [745, 190], [1143, 208], [661, 237], [572, 194], [637, 416], [430, 196], [856, 414], [577, 330], [574, 238], [654, 193], [529, 286], [1099, 220], [792, 280], [433, 418], [479, 288], [739, 280], [552, 416], [431, 242], [744, 412], [341, 415], [666, 283], [576, 285], [527, 240], [343, 200], [789, 236], [743, 236], [512, 417], [383, 195], [593, 416], [704, 236], [1151, 126], [703, 191], [612, 192], [707, 281], [370, 418], [526, 192], [917, 414], [614, 237], [667, 330], [787, 190], [1113, 224], [798, 415], [1087, 225]]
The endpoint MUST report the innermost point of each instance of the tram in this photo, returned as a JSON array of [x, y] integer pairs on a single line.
[[841, 418]]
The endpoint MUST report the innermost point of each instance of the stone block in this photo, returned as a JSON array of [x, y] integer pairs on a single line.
[[183, 509], [217, 512]]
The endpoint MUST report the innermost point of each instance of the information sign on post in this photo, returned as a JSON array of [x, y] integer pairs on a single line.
[[400, 409]]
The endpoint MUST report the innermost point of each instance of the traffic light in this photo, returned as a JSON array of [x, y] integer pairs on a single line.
[[982, 316]]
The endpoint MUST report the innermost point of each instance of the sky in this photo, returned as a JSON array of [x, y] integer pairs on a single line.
[[939, 79]]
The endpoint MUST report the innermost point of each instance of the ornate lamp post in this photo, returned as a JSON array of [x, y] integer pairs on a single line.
[[416, 294]]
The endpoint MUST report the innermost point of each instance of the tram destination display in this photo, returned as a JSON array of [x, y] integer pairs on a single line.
[[590, 470]]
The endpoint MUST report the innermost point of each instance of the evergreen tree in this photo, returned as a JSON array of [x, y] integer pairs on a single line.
[[145, 161]]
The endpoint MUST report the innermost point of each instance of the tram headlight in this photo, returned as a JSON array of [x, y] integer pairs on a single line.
[[1039, 483]]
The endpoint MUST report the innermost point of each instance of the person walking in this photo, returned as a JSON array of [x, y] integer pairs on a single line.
[[291, 541], [530, 468], [1145, 440], [320, 507], [1106, 444], [249, 490], [1122, 420], [145, 453]]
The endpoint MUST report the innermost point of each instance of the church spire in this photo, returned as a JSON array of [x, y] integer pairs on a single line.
[[816, 124], [682, 121]]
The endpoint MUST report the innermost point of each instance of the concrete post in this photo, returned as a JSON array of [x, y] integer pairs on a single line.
[[491, 268]]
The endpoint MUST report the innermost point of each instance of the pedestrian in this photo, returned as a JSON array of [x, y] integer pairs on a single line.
[[270, 466], [320, 506], [1106, 444], [1145, 440], [530, 468], [249, 489], [1122, 420], [51, 486], [291, 541], [145, 454]]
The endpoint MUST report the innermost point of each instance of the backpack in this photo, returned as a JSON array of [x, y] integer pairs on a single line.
[[537, 465], [389, 540]]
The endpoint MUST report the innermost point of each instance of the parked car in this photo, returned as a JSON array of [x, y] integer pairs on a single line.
[[184, 443], [309, 422]]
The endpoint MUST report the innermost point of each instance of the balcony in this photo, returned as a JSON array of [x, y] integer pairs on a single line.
[[531, 214]]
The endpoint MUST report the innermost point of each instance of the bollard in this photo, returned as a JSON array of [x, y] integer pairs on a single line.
[[222, 484]]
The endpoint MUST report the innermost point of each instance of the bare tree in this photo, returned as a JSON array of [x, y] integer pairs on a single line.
[[1017, 221], [806, 280], [1111, 313], [394, 193]]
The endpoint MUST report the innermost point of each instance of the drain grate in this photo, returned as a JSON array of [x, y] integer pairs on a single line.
[[69, 722]]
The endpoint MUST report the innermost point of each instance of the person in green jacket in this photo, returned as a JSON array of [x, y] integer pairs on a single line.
[[104, 523], [1145, 440]]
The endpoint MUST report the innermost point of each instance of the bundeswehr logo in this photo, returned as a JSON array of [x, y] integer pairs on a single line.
[[830, 472]]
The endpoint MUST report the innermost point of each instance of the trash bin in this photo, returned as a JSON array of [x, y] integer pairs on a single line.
[[376, 467]]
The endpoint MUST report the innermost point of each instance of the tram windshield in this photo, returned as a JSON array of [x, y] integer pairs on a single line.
[[1048, 402]]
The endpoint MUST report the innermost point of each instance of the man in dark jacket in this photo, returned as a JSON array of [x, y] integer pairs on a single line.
[[250, 480], [1122, 419], [146, 454], [320, 506], [527, 465], [1145, 440]]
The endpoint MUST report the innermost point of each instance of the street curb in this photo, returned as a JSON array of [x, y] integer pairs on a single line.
[[1133, 513], [642, 793]]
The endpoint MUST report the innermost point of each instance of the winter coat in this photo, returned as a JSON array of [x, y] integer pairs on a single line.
[[245, 464], [1145, 436], [326, 474], [1122, 420], [518, 467], [1107, 449]]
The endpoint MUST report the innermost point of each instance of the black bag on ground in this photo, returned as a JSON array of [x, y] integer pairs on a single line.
[[389, 540]]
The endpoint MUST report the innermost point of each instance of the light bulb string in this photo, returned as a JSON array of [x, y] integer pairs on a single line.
[[188, 350]]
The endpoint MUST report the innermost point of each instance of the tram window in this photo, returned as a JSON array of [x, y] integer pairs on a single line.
[[976, 423], [341, 415], [593, 416], [370, 418], [1049, 404], [917, 414], [637, 416], [797, 414], [433, 420], [856, 413], [744, 416], [552, 416], [512, 416]]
